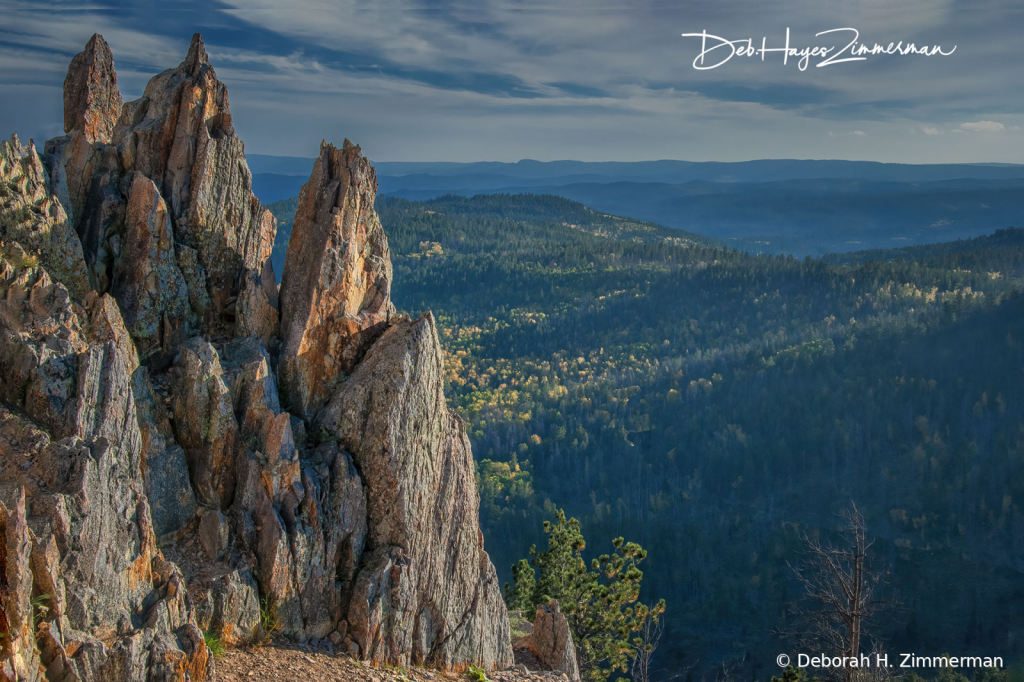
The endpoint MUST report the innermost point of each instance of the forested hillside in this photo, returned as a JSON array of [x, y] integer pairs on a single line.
[[712, 405]]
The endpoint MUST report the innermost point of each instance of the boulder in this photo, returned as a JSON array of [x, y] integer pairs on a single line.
[[227, 603], [550, 640]]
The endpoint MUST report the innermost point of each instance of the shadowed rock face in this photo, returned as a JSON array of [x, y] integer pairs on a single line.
[[154, 478], [336, 285], [147, 281]]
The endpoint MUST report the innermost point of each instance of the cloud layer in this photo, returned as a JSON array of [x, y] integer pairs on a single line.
[[483, 80]]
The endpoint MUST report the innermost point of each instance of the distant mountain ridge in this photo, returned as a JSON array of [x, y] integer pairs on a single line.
[[769, 206], [671, 171]]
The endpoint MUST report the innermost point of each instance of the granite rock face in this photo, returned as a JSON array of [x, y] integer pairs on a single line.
[[74, 449], [31, 216], [204, 422], [429, 591], [147, 281], [180, 135], [336, 285], [182, 448]]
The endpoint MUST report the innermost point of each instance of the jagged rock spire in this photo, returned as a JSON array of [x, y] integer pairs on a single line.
[[426, 589], [336, 284], [92, 102], [211, 232], [197, 57]]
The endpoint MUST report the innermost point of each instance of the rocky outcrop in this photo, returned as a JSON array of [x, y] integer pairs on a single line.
[[116, 610], [336, 285], [181, 136], [204, 422], [172, 500], [428, 591], [147, 281], [156, 478], [31, 216], [550, 641], [160, 196]]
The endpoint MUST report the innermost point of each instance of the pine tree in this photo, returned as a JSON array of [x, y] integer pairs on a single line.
[[519, 596], [599, 601]]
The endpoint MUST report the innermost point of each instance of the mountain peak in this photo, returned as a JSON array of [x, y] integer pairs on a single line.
[[92, 102], [197, 57]]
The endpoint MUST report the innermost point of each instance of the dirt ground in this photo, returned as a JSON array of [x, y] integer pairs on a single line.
[[297, 663]]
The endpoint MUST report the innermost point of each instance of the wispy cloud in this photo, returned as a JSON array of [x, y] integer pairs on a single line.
[[450, 79], [982, 126]]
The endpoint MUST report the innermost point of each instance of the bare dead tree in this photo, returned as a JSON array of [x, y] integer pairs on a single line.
[[843, 591], [727, 671], [877, 673], [652, 626]]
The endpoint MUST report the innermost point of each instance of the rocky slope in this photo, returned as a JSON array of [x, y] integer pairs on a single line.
[[182, 450]]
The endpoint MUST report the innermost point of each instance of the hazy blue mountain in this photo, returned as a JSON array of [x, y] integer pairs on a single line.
[[668, 171], [280, 165], [807, 217], [271, 187], [771, 206]]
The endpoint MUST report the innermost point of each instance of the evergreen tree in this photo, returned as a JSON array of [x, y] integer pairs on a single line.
[[519, 596], [599, 601]]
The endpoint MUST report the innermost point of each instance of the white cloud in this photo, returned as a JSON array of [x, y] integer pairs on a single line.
[[982, 126], [850, 133], [930, 130]]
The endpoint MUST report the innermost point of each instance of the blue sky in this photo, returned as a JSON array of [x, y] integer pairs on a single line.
[[495, 80]]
